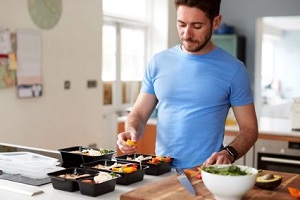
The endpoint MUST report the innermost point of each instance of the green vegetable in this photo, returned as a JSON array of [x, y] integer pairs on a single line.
[[231, 170], [105, 151]]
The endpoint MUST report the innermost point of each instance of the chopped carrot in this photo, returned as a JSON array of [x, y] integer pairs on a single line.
[[294, 192]]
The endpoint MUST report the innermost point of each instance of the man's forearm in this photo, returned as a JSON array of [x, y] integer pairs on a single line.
[[245, 139], [134, 122]]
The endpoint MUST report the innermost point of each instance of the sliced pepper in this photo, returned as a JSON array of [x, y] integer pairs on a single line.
[[294, 192], [130, 169], [129, 142]]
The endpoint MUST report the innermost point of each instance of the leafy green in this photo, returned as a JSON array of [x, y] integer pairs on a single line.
[[231, 170], [106, 151]]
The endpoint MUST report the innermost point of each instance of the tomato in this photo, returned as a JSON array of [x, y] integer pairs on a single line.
[[294, 192]]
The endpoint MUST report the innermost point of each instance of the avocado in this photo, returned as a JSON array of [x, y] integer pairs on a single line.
[[268, 181]]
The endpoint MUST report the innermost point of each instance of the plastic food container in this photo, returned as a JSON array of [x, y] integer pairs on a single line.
[[125, 178], [153, 169], [72, 157], [96, 189], [67, 184]]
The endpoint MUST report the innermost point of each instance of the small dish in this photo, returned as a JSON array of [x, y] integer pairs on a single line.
[[77, 155], [155, 168]]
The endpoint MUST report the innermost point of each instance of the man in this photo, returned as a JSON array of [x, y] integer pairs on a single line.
[[193, 85]]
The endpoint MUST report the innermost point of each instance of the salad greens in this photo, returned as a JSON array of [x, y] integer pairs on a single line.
[[231, 170]]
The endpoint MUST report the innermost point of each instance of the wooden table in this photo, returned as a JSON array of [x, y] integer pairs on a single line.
[[170, 188]]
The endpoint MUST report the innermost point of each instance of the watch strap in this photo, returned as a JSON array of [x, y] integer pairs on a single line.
[[232, 151]]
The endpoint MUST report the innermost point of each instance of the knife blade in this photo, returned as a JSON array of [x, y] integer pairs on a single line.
[[185, 182]]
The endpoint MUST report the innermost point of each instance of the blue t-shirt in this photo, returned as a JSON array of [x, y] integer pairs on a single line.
[[194, 95]]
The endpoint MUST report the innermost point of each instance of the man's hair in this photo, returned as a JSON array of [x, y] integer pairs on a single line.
[[210, 7]]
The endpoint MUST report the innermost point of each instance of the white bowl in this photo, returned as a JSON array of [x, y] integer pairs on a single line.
[[225, 187]]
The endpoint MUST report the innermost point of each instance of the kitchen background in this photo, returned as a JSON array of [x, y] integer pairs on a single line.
[[72, 51]]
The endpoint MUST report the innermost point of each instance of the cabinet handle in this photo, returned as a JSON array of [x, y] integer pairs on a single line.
[[280, 160]]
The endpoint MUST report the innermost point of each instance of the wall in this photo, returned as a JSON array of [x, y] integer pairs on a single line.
[[287, 64], [243, 15], [71, 51]]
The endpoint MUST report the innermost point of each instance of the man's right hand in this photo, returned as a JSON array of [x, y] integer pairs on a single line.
[[121, 142]]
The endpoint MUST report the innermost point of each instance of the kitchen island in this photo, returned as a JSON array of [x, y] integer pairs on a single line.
[[49, 193]]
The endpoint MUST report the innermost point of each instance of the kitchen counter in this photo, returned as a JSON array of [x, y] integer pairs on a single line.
[[49, 193], [170, 188], [269, 128]]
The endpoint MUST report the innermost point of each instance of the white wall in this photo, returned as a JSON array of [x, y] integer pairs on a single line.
[[71, 51]]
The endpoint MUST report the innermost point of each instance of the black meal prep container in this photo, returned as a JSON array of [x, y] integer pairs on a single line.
[[69, 185], [153, 169], [125, 178], [96, 189], [71, 159]]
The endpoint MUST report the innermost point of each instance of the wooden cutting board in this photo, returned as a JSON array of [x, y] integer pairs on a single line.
[[170, 188]]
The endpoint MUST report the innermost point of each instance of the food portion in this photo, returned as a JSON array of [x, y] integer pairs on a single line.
[[126, 169], [294, 192], [231, 170], [72, 176], [101, 177], [129, 142], [118, 167], [195, 172], [156, 160], [159, 160], [268, 181], [93, 152]]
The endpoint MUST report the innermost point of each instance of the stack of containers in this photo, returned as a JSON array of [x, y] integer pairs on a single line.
[[28, 164]]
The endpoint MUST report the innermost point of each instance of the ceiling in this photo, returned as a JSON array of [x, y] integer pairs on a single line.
[[287, 23]]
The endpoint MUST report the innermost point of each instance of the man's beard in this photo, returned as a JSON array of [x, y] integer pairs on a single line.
[[199, 45]]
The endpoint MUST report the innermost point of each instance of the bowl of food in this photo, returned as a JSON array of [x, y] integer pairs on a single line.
[[227, 181], [157, 164], [77, 155], [67, 179], [129, 172], [102, 183]]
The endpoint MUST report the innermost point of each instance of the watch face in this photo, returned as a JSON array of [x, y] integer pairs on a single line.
[[45, 13]]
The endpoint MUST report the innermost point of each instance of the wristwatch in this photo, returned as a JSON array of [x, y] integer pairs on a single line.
[[232, 151]]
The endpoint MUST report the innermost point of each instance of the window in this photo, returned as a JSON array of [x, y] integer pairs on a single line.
[[125, 30]]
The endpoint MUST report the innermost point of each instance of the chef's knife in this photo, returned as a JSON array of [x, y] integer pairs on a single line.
[[185, 182]]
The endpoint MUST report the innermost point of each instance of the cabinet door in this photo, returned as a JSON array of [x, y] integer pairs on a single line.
[[231, 43], [146, 145]]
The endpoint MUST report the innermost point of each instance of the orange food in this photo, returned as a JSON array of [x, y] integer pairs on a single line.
[[125, 169], [159, 160], [129, 142], [87, 181], [294, 192], [193, 173]]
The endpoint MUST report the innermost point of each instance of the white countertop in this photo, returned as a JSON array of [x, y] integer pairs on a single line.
[[49, 193]]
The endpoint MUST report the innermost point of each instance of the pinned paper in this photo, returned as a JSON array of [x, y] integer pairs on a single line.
[[29, 73], [12, 61], [5, 42]]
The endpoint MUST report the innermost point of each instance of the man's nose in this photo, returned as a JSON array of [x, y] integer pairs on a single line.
[[188, 33]]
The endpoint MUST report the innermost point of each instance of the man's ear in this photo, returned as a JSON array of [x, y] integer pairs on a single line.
[[217, 22]]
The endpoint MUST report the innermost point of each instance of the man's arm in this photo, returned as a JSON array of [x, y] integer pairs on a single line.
[[136, 121], [140, 113], [246, 138], [248, 129]]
